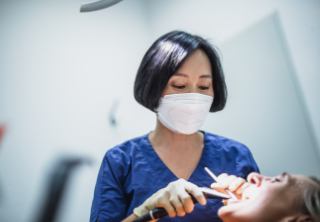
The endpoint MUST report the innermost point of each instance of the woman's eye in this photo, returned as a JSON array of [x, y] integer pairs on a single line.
[[178, 87], [203, 87]]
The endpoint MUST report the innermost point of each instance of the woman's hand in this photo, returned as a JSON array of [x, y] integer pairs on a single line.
[[235, 184], [174, 198]]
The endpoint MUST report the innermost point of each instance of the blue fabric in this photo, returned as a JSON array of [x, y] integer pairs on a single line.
[[132, 172]]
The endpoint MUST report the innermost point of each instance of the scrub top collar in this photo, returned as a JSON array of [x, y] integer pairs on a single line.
[[197, 175]]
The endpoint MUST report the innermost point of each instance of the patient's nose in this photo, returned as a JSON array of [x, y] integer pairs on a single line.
[[255, 178]]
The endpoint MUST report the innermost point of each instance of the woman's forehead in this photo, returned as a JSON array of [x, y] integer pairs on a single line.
[[197, 60]]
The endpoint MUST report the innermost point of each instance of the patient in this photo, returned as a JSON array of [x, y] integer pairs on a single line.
[[285, 198]]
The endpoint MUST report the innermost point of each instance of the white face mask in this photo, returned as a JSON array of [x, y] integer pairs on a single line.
[[185, 112]]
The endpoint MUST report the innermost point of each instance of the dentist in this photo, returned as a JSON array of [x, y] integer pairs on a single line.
[[181, 79]]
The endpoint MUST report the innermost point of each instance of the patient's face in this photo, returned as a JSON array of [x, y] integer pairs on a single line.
[[266, 199]]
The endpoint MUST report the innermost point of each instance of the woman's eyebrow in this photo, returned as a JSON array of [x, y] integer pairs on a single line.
[[181, 74], [186, 76], [206, 76]]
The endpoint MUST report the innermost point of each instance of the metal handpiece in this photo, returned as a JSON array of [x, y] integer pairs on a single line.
[[232, 195]]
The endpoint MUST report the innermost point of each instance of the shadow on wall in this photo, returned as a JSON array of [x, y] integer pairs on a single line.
[[56, 185], [265, 109]]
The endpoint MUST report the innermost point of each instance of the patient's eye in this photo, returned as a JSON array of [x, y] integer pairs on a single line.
[[275, 179]]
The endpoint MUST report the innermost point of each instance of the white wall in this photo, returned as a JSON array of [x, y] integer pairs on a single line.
[[61, 71], [265, 110], [222, 20]]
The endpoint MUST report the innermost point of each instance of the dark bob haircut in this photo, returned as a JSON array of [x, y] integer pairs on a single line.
[[164, 58]]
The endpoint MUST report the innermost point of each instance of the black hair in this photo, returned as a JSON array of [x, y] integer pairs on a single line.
[[164, 58]]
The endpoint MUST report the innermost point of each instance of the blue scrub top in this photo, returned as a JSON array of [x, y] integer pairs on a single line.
[[131, 172]]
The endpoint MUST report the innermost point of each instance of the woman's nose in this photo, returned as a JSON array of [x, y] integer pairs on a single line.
[[192, 89], [255, 178]]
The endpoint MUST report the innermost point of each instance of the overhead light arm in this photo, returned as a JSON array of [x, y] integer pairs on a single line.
[[94, 6]]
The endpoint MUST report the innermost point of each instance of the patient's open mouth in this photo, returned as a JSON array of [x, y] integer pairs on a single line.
[[244, 198]]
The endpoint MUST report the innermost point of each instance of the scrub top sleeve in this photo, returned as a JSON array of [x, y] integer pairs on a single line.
[[245, 163], [255, 167], [109, 202]]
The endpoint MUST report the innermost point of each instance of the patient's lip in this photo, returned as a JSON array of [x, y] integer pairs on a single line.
[[244, 198], [233, 201]]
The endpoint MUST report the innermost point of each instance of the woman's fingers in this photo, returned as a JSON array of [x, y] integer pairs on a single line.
[[196, 192], [226, 182], [221, 177], [169, 208], [176, 203], [186, 201], [232, 183], [159, 199], [174, 198], [242, 188], [217, 187], [236, 183]]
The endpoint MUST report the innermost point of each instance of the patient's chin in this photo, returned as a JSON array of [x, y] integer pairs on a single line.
[[228, 211], [224, 211]]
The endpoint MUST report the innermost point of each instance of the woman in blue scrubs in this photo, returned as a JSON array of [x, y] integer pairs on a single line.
[[181, 79]]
